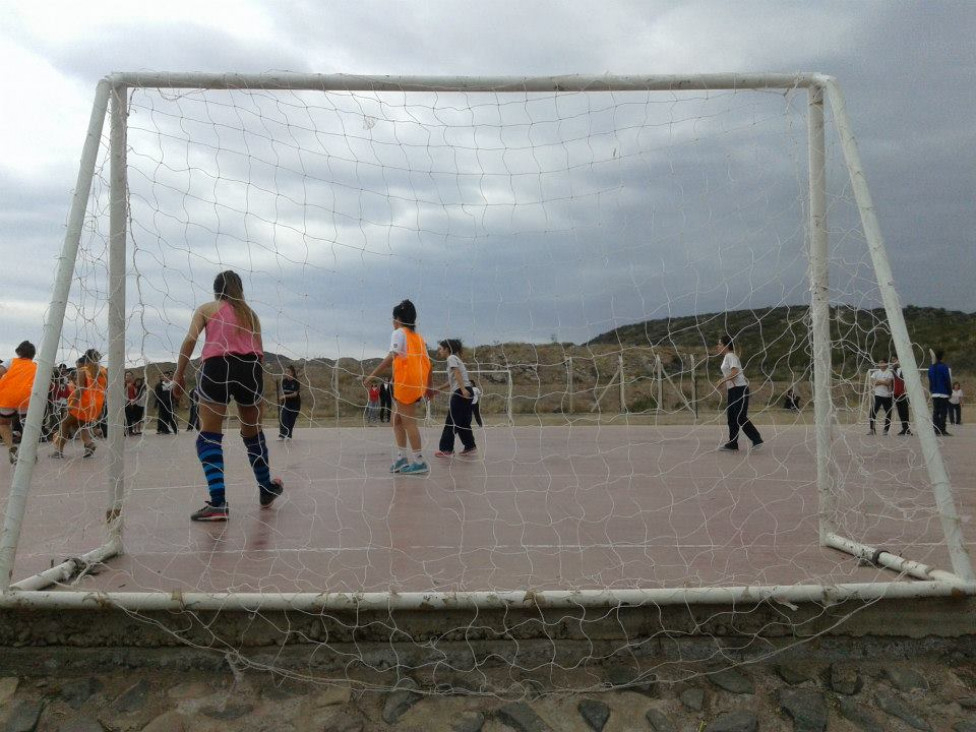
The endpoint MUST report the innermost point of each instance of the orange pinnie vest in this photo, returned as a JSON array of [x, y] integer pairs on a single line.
[[91, 397], [16, 384], [411, 370]]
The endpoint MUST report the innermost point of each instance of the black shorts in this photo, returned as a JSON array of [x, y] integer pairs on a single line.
[[232, 376]]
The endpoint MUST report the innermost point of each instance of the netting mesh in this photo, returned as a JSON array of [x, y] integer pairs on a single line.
[[589, 249]]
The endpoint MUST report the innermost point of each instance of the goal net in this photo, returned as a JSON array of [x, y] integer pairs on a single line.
[[589, 240]]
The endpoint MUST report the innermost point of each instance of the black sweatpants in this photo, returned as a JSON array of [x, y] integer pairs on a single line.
[[737, 411], [458, 422], [883, 404], [901, 404]]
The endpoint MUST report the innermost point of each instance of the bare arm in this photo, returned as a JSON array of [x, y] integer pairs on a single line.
[[197, 324], [384, 364]]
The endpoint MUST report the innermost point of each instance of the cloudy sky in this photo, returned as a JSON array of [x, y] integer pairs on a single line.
[[505, 217]]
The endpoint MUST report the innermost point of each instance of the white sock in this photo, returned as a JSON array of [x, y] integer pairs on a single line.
[[417, 457]]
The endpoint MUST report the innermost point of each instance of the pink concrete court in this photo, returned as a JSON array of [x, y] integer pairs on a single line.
[[582, 507]]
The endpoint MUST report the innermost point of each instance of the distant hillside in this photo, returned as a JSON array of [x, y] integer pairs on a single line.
[[780, 335]]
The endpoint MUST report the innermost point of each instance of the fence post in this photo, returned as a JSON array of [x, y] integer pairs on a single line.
[[659, 368], [335, 389], [623, 388], [569, 383]]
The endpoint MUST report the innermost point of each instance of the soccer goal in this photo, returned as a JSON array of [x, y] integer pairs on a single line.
[[619, 225]]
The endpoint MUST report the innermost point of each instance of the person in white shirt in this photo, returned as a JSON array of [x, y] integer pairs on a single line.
[[458, 420], [955, 404], [881, 380], [737, 404]]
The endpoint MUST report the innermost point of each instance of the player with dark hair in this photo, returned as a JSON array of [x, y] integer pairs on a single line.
[[737, 404], [458, 420], [411, 382], [16, 384]]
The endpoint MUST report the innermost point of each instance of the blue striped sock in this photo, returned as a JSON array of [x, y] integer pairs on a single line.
[[257, 455], [210, 450]]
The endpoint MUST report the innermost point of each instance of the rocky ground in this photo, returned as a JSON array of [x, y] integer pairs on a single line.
[[859, 695]]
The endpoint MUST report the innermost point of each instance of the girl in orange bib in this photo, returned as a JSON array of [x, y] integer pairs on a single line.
[[84, 405], [411, 383], [15, 390]]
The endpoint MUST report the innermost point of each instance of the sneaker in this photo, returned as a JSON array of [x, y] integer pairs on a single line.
[[268, 495], [89, 450], [399, 465], [13, 455], [469, 451], [445, 454], [415, 469], [729, 447], [210, 512], [757, 445]]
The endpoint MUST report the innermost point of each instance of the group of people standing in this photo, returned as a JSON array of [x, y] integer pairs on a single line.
[[888, 385], [379, 402], [75, 404], [413, 382]]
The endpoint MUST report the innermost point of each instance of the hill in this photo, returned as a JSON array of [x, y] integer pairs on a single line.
[[781, 335]]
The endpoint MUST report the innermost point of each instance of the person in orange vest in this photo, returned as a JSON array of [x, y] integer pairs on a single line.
[[15, 390], [411, 383], [84, 405]]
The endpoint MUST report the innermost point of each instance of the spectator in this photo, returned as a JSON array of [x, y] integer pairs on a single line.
[[955, 404], [291, 404], [940, 387], [165, 405], [881, 381], [901, 397]]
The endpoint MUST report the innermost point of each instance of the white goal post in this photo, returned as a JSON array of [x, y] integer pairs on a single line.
[[111, 103]]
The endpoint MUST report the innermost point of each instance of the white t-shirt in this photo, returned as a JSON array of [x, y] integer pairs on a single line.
[[455, 362], [731, 361], [398, 342], [956, 397], [882, 390]]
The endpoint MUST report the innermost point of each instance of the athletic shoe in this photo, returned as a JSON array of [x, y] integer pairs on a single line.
[[445, 453], [210, 512], [268, 495], [399, 465], [89, 450], [729, 447], [13, 454], [468, 451], [415, 469], [757, 445]]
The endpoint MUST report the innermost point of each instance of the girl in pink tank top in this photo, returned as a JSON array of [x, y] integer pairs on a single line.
[[225, 336]]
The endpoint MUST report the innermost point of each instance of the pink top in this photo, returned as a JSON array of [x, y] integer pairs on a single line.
[[225, 336]]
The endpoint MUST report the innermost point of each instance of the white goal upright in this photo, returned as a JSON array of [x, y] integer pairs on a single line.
[[525, 212]]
